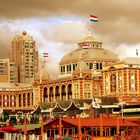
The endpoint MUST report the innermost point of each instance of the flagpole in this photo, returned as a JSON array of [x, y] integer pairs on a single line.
[[79, 128], [43, 63], [118, 126], [101, 124], [25, 128], [94, 19], [60, 126], [42, 128]]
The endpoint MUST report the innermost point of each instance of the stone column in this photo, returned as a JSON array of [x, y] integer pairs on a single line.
[[65, 69], [31, 99], [138, 86], [17, 101], [66, 98], [127, 75], [60, 97], [54, 92]]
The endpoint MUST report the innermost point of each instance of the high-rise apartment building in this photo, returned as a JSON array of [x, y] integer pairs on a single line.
[[7, 71], [4, 70], [24, 55]]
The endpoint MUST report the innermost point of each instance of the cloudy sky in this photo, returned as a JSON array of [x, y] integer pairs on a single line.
[[58, 25]]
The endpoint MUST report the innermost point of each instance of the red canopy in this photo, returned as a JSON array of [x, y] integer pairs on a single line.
[[9, 128]]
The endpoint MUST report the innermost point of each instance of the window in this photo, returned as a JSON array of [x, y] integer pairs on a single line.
[[24, 100], [69, 67], [28, 99], [100, 66], [73, 67], [19, 100], [113, 82], [132, 82], [63, 68], [97, 66], [90, 66]]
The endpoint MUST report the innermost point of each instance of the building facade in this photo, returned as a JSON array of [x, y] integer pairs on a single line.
[[122, 79], [88, 72], [25, 57], [80, 73], [16, 96], [4, 70]]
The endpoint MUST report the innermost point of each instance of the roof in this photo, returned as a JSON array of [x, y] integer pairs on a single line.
[[107, 122], [77, 104], [108, 100], [132, 60], [15, 86], [83, 102], [88, 55], [37, 110], [64, 104], [94, 51], [17, 111], [48, 105]]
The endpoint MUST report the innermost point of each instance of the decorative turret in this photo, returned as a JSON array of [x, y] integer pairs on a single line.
[[89, 42]]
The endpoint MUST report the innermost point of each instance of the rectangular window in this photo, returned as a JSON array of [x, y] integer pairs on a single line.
[[132, 81]]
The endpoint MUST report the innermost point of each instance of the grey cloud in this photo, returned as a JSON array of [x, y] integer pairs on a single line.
[[118, 24]]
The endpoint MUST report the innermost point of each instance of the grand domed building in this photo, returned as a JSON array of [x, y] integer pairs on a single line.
[[88, 75], [80, 73], [91, 53]]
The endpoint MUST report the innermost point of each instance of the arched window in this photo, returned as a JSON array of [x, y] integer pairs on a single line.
[[100, 66], [61, 69], [24, 99], [28, 99], [90, 65], [19, 100], [5, 100], [97, 66], [12, 101], [63, 92], [69, 92], [45, 94], [57, 93], [113, 82], [69, 67], [73, 67], [51, 94]]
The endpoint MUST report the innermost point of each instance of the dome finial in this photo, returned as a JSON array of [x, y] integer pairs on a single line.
[[24, 33]]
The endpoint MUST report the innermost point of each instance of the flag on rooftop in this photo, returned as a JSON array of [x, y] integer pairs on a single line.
[[45, 54], [93, 18]]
